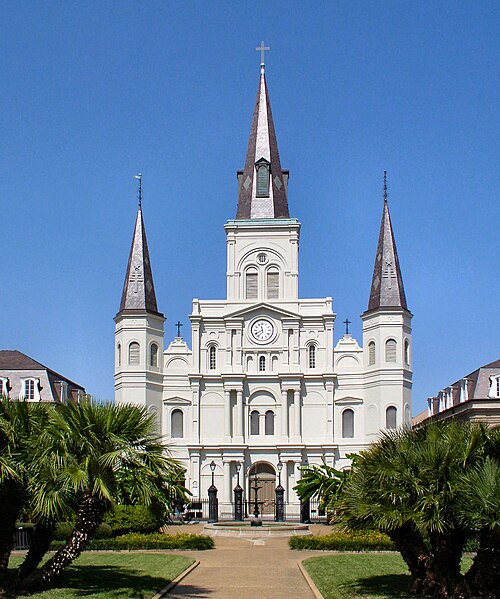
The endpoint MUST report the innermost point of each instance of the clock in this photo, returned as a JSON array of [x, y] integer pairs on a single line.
[[262, 330]]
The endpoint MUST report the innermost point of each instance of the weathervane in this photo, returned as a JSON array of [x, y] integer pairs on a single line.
[[262, 49], [385, 186], [139, 176]]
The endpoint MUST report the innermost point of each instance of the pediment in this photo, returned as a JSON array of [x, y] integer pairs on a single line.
[[258, 308], [177, 401], [348, 401]]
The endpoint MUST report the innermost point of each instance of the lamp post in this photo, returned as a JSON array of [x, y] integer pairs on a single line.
[[305, 506], [213, 502], [238, 495], [279, 514]]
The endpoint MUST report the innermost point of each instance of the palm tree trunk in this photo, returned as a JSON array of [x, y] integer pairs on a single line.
[[443, 576], [89, 518], [11, 506], [483, 577], [40, 543], [410, 544]]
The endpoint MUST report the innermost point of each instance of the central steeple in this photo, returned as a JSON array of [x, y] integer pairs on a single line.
[[262, 185]]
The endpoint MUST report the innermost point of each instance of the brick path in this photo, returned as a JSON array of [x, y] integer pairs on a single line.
[[244, 569]]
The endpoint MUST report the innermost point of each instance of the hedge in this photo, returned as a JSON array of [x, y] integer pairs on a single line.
[[133, 518], [146, 541], [345, 541], [64, 529]]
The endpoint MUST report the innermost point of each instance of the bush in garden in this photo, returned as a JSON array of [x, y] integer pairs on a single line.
[[133, 518], [138, 541], [370, 540]]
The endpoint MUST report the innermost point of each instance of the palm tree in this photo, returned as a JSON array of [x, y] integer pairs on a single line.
[[94, 443], [21, 424], [321, 481], [408, 485]]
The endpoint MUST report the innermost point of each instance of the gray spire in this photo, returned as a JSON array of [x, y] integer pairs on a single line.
[[387, 282], [264, 196], [138, 290]]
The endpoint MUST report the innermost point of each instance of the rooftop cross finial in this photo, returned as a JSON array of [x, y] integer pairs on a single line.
[[262, 49], [385, 186], [347, 322], [139, 176], [179, 325]]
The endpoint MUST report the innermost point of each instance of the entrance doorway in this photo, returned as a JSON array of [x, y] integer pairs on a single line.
[[263, 476]]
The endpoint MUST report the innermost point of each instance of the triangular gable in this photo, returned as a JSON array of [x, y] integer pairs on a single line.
[[259, 307]]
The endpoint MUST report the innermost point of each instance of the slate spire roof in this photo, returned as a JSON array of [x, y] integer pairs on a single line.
[[262, 148], [387, 283], [138, 290]]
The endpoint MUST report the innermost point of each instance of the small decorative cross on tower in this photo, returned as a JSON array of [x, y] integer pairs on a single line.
[[385, 186], [347, 322], [178, 325], [262, 49]]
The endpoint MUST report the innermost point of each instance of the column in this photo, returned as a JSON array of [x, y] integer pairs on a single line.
[[284, 412], [297, 414], [227, 413], [227, 482], [196, 415], [296, 347], [239, 414]]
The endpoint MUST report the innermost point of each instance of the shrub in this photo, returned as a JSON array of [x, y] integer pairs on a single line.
[[64, 529], [136, 541], [369, 540], [133, 518]]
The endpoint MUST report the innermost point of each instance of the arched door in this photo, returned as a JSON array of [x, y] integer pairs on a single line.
[[263, 476]]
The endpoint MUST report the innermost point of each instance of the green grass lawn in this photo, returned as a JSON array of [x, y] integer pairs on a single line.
[[115, 575], [361, 576]]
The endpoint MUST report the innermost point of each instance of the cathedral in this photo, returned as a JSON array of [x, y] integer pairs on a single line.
[[261, 389]]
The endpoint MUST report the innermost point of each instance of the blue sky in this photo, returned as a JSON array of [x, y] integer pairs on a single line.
[[94, 92]]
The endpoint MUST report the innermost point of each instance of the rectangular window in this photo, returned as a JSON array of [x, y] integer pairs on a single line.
[[251, 284], [273, 284], [263, 181], [29, 389]]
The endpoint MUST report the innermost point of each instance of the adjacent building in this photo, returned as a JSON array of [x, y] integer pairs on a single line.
[[22, 377], [475, 398], [261, 386]]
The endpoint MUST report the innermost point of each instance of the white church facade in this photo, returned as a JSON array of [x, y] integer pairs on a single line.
[[261, 382]]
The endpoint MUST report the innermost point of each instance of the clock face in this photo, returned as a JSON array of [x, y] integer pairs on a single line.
[[262, 330]]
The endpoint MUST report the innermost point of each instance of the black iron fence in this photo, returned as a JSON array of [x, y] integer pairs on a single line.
[[22, 538], [316, 514]]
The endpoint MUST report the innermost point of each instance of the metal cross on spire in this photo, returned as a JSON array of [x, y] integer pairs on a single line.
[[179, 325], [139, 176], [347, 322], [385, 186], [262, 49]]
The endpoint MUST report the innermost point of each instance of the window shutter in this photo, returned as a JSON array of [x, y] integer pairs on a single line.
[[177, 424], [371, 353], [254, 423], [262, 181], [273, 284], [269, 422], [134, 353], [251, 281], [390, 417], [390, 350], [348, 424]]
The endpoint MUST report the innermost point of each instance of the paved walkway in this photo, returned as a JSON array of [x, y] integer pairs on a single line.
[[244, 569]]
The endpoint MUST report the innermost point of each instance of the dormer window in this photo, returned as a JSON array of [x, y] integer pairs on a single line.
[[494, 386], [262, 168]]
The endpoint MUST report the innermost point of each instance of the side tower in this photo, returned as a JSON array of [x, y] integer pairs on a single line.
[[139, 329], [387, 338]]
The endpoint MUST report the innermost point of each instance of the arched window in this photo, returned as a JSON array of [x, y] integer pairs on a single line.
[[251, 284], [391, 417], [312, 356], [134, 353], [212, 357], [273, 284], [177, 424], [119, 354], [254, 422], [407, 352], [262, 364], [269, 422], [153, 355], [390, 350], [348, 424], [371, 353]]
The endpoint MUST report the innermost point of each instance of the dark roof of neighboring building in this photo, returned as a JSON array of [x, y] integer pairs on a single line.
[[138, 289], [262, 134], [12, 359], [387, 289]]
